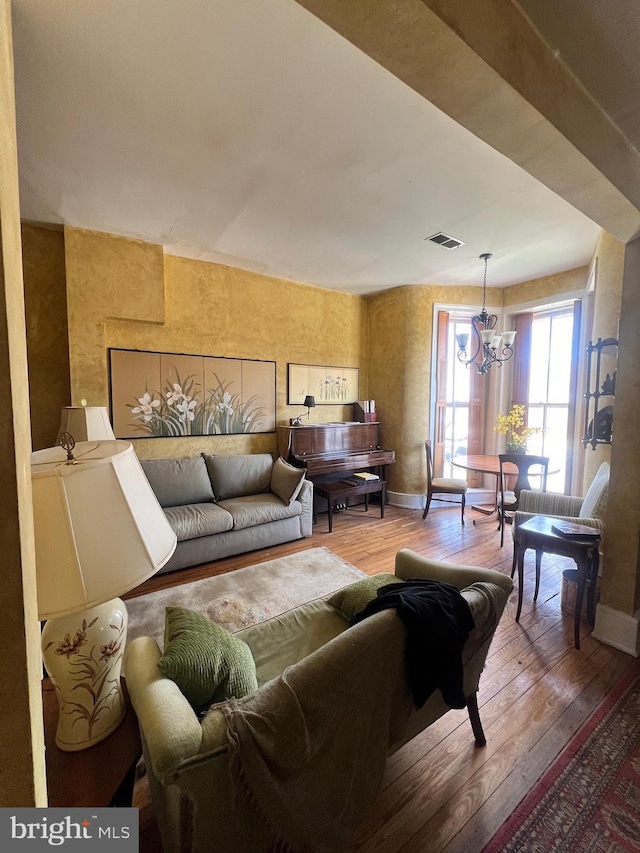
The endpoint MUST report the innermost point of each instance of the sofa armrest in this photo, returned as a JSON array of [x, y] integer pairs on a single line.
[[564, 507], [409, 564], [521, 517], [305, 496], [549, 503], [486, 592], [170, 727]]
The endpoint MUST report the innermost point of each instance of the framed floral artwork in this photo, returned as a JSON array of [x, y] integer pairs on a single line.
[[167, 395], [329, 385]]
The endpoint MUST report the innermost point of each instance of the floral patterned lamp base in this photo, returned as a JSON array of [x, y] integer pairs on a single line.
[[83, 656]]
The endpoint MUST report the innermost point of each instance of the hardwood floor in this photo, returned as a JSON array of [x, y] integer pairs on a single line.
[[441, 792]]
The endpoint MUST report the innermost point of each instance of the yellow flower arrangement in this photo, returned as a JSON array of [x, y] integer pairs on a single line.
[[513, 426]]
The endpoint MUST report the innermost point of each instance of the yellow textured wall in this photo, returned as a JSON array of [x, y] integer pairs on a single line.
[[621, 570], [609, 257], [107, 276], [549, 286], [400, 330], [128, 294], [621, 565], [47, 332], [124, 293]]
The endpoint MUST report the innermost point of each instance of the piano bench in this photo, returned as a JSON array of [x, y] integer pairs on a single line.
[[340, 491]]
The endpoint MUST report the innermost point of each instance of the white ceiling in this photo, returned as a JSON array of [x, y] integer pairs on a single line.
[[251, 134]]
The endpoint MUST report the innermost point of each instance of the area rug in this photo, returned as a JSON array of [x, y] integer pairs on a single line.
[[588, 801], [243, 597]]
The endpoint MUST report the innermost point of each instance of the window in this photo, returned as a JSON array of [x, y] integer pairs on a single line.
[[549, 396], [456, 429], [459, 397]]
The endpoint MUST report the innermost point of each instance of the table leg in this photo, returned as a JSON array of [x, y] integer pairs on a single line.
[[583, 563], [485, 511], [521, 552], [593, 583], [491, 514], [383, 498], [330, 513], [366, 502], [539, 553]]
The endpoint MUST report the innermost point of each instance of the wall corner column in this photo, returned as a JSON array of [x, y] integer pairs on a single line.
[[22, 764], [617, 615]]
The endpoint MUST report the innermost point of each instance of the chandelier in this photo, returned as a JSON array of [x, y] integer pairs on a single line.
[[490, 347]]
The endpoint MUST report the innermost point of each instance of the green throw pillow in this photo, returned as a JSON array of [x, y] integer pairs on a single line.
[[206, 662], [355, 597]]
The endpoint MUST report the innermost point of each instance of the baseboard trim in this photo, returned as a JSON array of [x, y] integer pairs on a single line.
[[618, 629], [405, 501], [408, 501]]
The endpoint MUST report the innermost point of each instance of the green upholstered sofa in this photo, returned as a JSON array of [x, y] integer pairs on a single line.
[[337, 693]]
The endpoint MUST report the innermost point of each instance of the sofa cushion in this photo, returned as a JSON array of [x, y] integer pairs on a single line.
[[286, 480], [355, 597], [178, 481], [595, 501], [252, 510], [194, 520], [236, 476], [285, 639], [206, 662]]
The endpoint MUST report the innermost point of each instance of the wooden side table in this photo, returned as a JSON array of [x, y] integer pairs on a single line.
[[538, 533], [339, 491], [101, 775]]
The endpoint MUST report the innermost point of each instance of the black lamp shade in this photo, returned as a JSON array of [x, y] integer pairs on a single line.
[[309, 402]]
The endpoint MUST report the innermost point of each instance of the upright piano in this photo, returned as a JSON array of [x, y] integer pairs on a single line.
[[334, 450]]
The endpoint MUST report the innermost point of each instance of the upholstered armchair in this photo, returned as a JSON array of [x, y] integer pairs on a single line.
[[590, 510]]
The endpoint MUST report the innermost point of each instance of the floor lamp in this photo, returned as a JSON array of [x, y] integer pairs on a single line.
[[99, 532]]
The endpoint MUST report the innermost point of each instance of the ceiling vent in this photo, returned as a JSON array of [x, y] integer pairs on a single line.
[[446, 241]]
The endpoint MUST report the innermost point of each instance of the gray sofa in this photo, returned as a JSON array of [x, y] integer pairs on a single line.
[[224, 505]]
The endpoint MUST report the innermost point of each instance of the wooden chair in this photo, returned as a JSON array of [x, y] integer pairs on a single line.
[[442, 486], [509, 499]]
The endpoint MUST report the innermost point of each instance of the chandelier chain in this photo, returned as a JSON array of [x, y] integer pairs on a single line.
[[485, 257]]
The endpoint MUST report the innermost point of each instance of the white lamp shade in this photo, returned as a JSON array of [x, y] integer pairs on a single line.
[[86, 423], [99, 529]]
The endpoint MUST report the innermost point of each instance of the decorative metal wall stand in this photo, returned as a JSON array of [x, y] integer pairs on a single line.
[[599, 394]]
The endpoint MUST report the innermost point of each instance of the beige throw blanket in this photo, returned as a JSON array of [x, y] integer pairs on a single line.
[[307, 752]]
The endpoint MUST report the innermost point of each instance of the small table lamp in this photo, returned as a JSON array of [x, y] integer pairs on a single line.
[[99, 532], [310, 403], [86, 423]]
